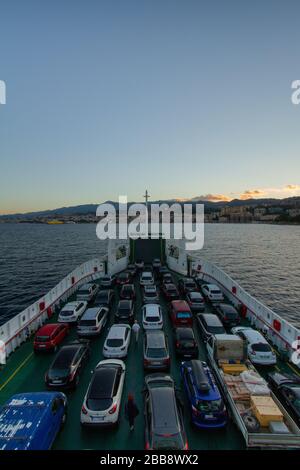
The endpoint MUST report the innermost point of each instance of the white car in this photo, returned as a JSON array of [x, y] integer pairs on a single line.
[[156, 263], [92, 321], [212, 293], [146, 278], [72, 311], [150, 295], [102, 402], [259, 350], [152, 317], [117, 341]]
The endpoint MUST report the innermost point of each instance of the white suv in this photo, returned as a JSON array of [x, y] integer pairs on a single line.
[[72, 311], [146, 278], [152, 317], [212, 293], [259, 350], [117, 341]]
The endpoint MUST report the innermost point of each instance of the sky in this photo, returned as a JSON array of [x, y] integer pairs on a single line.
[[110, 97]]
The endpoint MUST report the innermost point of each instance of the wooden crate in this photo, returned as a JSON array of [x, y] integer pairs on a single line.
[[265, 410]]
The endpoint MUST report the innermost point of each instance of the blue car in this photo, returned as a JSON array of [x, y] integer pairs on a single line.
[[206, 404], [31, 421]]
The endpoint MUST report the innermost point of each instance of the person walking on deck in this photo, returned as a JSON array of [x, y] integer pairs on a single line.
[[136, 330], [131, 411]]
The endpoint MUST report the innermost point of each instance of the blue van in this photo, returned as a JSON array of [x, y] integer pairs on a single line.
[[31, 421], [206, 404]]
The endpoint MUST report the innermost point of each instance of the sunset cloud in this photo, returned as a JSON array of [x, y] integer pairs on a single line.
[[252, 194], [212, 198]]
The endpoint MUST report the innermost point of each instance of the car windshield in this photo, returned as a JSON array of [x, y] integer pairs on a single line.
[[87, 323], [84, 291], [190, 285], [124, 310], [231, 315], [114, 342], [261, 347], [210, 405], [152, 319], [64, 358], [216, 330], [183, 315], [168, 442], [66, 313], [150, 294], [215, 291], [156, 353], [42, 339]]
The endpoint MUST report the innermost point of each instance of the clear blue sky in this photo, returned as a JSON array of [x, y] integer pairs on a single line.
[[185, 98]]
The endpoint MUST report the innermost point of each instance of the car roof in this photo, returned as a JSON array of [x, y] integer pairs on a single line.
[[156, 339], [212, 286], [66, 353], [117, 332], [165, 416], [195, 295], [85, 287], [152, 309], [48, 329], [103, 381], [147, 273], [181, 331], [180, 305], [91, 313], [254, 336], [72, 304], [227, 308], [125, 303], [211, 319], [203, 380]]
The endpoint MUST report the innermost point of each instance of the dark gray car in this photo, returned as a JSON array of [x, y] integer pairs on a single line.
[[210, 325], [156, 351], [164, 428]]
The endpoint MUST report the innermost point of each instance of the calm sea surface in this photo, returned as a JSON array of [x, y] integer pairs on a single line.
[[265, 259]]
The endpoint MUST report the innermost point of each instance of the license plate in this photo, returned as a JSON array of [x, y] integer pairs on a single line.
[[97, 419], [156, 363], [209, 417], [42, 346], [56, 381]]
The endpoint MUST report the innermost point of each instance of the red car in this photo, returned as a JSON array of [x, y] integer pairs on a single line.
[[180, 313], [170, 292], [50, 336]]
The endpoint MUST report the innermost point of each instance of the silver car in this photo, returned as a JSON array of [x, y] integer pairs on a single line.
[[150, 295], [156, 351]]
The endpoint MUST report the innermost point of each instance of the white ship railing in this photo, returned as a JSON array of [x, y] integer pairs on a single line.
[[17, 330]]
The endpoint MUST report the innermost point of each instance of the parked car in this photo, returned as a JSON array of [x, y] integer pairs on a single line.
[[132, 269], [125, 312], [210, 325], [117, 341], [259, 350], [152, 317], [186, 285], [102, 402], [72, 311], [167, 278], [127, 292], [49, 336], [287, 389], [163, 411], [123, 278], [105, 298], [170, 292], [65, 370], [185, 343], [156, 351], [87, 292], [180, 313], [146, 278], [31, 421], [156, 263], [107, 281], [150, 295], [205, 400], [227, 314], [92, 321], [195, 301], [161, 271], [212, 292], [139, 264]]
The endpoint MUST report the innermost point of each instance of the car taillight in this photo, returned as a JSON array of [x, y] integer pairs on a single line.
[[114, 409], [147, 446], [167, 360], [83, 410], [177, 344], [186, 447], [146, 362]]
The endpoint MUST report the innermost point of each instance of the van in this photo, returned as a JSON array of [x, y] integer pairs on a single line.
[[92, 321], [31, 421], [87, 292], [180, 313]]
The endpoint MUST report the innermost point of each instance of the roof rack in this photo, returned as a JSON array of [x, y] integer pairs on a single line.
[[201, 379]]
